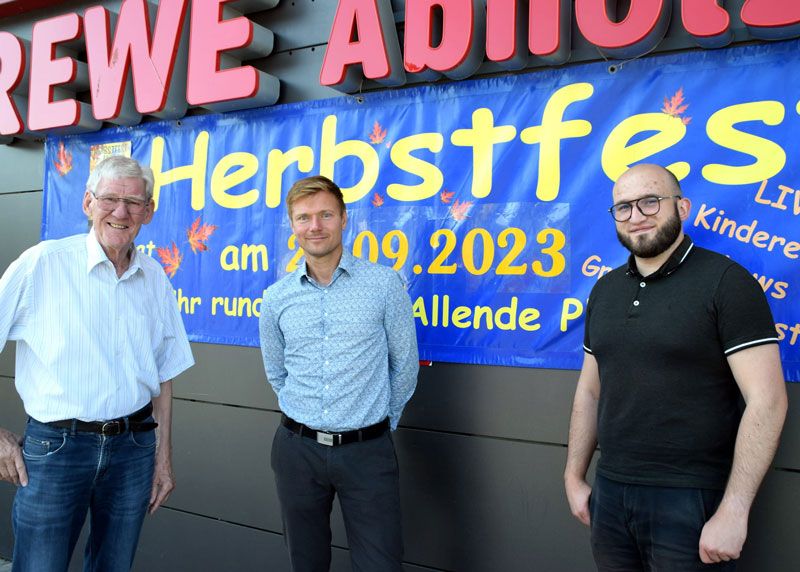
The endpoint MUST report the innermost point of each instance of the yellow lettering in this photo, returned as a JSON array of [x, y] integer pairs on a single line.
[[431, 175], [331, 152], [618, 155], [278, 162], [550, 133], [770, 157], [244, 166]]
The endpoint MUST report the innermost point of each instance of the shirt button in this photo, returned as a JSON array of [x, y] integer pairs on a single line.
[[635, 303], [326, 337], [326, 387], [642, 284], [325, 411], [327, 362]]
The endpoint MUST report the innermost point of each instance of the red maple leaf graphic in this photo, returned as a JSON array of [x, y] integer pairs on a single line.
[[460, 211], [686, 120], [198, 235], [64, 163], [378, 134], [377, 201], [674, 106], [446, 196], [170, 258]]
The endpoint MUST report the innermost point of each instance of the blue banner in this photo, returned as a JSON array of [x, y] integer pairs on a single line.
[[490, 196]]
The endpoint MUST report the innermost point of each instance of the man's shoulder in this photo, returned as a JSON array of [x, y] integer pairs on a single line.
[[55, 247], [284, 285], [377, 273]]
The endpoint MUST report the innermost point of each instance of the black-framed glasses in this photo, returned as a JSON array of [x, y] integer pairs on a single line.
[[648, 206], [109, 203]]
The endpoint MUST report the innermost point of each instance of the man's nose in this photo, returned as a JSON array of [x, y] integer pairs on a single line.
[[315, 222], [120, 209], [636, 214]]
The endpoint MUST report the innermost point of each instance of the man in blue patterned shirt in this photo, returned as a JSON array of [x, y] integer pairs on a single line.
[[340, 351]]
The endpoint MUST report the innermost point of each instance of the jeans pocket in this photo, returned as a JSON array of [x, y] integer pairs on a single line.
[[143, 439], [36, 448]]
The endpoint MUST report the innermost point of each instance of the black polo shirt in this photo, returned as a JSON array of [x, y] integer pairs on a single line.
[[669, 406]]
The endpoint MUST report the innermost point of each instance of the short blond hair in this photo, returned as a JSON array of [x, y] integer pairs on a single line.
[[311, 186]]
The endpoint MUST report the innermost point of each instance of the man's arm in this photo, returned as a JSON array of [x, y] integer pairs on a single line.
[[272, 347], [401, 338], [758, 373], [14, 304], [582, 439], [163, 478]]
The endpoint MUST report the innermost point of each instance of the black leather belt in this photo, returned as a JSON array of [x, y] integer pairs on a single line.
[[133, 422], [335, 439]]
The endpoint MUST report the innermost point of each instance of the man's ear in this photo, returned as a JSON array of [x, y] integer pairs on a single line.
[[87, 200], [684, 208]]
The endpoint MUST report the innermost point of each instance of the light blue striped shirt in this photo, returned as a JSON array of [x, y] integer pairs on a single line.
[[89, 345], [342, 356]]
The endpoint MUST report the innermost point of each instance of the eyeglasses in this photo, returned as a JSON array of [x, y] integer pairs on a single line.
[[648, 206], [133, 206]]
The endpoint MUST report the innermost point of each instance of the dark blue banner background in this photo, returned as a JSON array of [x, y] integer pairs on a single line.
[[490, 197]]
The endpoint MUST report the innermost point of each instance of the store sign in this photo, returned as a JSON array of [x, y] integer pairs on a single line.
[[452, 37], [147, 59], [490, 197]]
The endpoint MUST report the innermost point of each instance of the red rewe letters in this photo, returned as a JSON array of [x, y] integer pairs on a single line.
[[48, 72], [11, 72], [358, 27], [214, 80], [772, 19], [151, 63], [460, 51], [641, 30], [707, 22]]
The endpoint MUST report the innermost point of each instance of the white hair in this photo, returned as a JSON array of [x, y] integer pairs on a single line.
[[119, 167]]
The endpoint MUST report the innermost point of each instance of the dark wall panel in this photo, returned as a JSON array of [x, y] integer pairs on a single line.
[[23, 168]]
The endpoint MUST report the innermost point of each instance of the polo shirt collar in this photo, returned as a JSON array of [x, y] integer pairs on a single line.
[[96, 255], [346, 265], [677, 258]]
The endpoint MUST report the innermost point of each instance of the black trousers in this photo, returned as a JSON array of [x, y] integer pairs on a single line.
[[366, 479]]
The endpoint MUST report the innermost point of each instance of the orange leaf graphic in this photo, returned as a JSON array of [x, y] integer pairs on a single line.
[[686, 120], [674, 106], [64, 163], [170, 259], [446, 196], [377, 201], [199, 235], [460, 211], [378, 134]]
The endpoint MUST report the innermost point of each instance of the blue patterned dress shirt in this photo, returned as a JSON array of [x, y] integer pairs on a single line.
[[342, 356]]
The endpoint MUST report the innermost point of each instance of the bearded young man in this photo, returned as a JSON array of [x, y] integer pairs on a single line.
[[674, 341]]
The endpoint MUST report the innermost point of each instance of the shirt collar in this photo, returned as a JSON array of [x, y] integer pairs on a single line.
[[346, 264], [677, 258], [96, 255]]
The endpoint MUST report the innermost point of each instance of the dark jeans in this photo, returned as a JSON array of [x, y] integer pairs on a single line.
[[365, 477], [638, 528], [70, 474]]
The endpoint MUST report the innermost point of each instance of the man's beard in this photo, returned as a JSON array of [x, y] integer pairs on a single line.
[[650, 248]]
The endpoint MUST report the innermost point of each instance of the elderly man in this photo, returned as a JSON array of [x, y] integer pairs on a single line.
[[674, 339], [340, 351], [99, 338]]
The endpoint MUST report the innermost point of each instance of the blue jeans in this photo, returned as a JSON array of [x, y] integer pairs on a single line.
[[641, 528], [72, 473]]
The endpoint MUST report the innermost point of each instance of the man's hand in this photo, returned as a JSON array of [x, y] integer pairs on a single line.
[[723, 536], [578, 492], [12, 467], [163, 483]]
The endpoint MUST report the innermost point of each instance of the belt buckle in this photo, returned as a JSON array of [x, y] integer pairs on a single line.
[[327, 439], [111, 428]]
